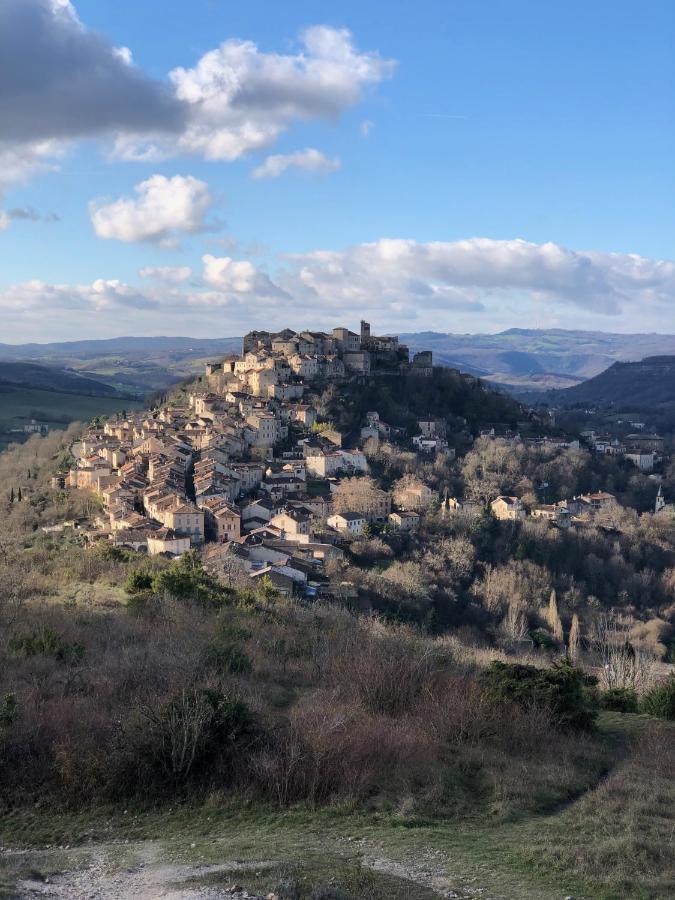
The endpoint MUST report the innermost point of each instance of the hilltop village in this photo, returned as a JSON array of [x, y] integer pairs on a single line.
[[241, 465]]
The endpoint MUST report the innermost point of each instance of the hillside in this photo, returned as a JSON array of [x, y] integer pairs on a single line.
[[51, 379], [539, 359], [137, 364], [53, 397], [648, 384]]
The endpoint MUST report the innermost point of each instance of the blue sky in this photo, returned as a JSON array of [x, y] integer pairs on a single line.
[[545, 130]]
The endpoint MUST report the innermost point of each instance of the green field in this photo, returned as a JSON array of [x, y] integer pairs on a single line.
[[19, 405]]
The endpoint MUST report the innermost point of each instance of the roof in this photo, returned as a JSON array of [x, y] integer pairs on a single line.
[[350, 516]]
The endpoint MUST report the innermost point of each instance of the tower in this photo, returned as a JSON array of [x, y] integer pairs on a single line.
[[365, 331], [660, 500]]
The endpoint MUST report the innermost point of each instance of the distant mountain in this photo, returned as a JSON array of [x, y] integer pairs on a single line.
[[647, 385], [518, 359], [129, 347], [539, 359]]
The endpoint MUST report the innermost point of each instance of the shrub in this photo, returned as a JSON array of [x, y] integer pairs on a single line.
[[562, 688], [542, 638], [660, 700], [48, 642], [7, 709], [623, 700], [228, 658], [137, 581], [186, 579], [183, 733]]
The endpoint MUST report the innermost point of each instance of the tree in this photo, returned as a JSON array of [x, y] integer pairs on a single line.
[[490, 468], [573, 639], [553, 617], [360, 495]]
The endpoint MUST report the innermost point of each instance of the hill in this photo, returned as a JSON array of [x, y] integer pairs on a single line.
[[521, 358], [648, 384], [51, 379], [129, 364], [539, 359], [52, 396]]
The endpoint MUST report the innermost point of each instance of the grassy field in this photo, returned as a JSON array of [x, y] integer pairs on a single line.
[[19, 405]]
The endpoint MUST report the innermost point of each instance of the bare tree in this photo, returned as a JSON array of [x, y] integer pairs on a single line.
[[623, 665]]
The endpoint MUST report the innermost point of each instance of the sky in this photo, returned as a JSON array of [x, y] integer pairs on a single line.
[[208, 167]]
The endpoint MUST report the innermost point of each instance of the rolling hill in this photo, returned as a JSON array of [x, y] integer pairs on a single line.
[[519, 359], [648, 384]]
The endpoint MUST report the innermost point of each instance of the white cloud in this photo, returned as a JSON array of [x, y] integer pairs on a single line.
[[4, 220], [99, 295], [309, 160], [237, 277], [61, 82], [20, 162], [166, 274], [366, 127], [469, 274], [476, 284], [238, 98], [163, 208]]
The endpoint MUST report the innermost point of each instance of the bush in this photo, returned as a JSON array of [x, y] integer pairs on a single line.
[[186, 579], [188, 730], [228, 658], [48, 642], [660, 700], [137, 581], [565, 690], [7, 709], [543, 639], [623, 700]]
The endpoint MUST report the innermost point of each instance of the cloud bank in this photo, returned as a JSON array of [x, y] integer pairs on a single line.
[[402, 284]]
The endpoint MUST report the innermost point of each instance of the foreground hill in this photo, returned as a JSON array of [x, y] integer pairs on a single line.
[[648, 384]]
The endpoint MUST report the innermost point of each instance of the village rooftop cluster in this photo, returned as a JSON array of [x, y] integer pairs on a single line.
[[238, 464], [208, 473]]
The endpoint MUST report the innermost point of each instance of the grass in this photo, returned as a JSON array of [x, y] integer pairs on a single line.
[[19, 405]]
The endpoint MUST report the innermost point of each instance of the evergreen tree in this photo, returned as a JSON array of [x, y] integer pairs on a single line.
[[11, 496], [19, 496]]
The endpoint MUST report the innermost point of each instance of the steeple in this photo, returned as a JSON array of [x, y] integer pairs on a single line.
[[660, 500]]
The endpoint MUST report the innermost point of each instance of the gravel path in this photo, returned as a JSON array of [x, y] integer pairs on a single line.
[[147, 876]]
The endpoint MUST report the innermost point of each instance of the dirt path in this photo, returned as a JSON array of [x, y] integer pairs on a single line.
[[145, 875]]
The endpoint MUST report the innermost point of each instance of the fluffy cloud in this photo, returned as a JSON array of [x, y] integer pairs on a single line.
[[166, 274], [99, 296], [163, 208], [237, 277], [4, 220], [402, 284], [466, 274], [60, 80], [238, 98], [310, 160]]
